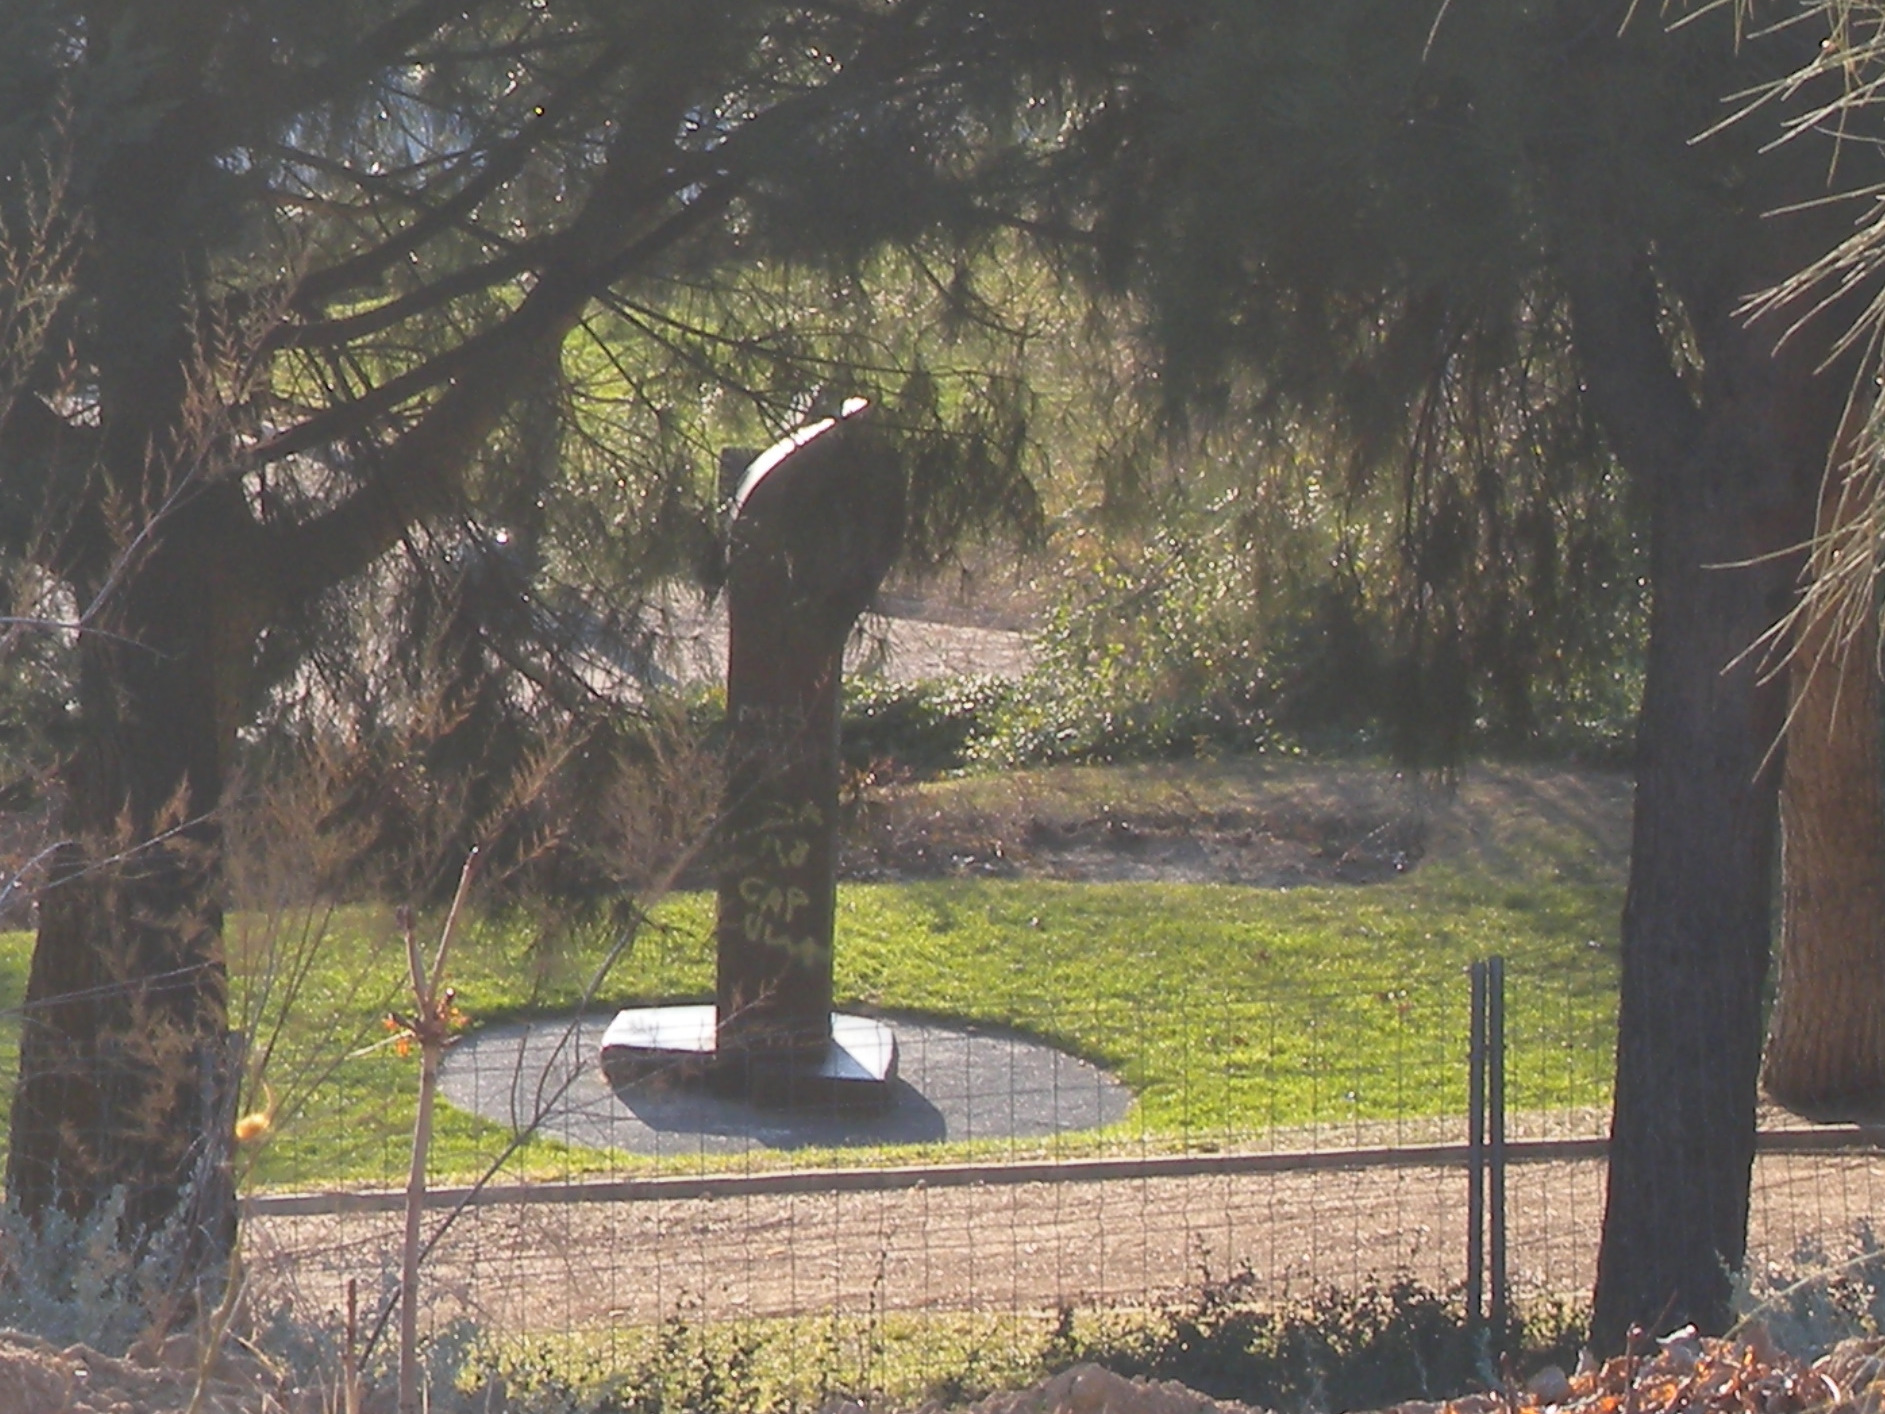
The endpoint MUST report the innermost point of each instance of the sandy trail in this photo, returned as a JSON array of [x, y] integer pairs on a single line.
[[1022, 1248]]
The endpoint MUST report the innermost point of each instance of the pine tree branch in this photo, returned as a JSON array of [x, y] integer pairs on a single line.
[[276, 95], [500, 163]]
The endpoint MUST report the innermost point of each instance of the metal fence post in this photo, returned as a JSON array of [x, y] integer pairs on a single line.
[[1476, 1149], [1495, 1106]]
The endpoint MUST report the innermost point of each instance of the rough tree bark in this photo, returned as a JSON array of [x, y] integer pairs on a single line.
[[1731, 472], [1695, 922], [124, 1078], [124, 1075], [1826, 1036]]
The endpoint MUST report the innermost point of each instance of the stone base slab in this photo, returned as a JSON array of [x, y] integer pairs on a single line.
[[676, 1045]]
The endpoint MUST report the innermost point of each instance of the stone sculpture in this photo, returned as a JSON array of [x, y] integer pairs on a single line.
[[816, 522]]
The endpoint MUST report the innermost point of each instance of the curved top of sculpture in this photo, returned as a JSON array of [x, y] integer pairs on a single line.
[[799, 437]]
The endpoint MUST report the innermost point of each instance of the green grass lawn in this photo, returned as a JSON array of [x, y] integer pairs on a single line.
[[1226, 1009]]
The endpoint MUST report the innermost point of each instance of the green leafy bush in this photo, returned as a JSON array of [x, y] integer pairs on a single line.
[[1151, 657], [688, 1370], [923, 728], [1214, 634], [1336, 1350]]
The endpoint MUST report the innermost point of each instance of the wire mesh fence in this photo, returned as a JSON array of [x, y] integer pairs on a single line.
[[1090, 1163]]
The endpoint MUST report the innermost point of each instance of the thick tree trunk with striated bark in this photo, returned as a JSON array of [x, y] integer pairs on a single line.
[[1731, 478], [126, 1081], [1695, 924], [1826, 1037]]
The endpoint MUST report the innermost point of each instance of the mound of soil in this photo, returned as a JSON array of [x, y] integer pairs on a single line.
[[1275, 847], [1093, 1389], [1255, 821]]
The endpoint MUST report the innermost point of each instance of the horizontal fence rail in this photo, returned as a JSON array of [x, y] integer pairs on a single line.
[[896, 1178]]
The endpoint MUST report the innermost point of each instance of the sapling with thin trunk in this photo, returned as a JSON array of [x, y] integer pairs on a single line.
[[430, 1025]]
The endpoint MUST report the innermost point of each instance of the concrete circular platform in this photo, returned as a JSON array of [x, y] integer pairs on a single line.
[[954, 1083]]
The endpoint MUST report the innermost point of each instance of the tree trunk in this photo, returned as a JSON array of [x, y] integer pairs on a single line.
[[1696, 922], [1695, 935], [126, 1069], [124, 1075], [1826, 1038]]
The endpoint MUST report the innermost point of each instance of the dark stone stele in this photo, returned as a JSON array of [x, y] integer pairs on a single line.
[[817, 521]]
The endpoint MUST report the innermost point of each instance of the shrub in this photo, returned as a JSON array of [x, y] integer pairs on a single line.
[[685, 1372], [920, 728], [1219, 632], [75, 1280], [1153, 657], [1815, 1299], [1336, 1350]]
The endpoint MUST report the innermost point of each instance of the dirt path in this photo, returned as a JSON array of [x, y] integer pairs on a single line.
[[1025, 1248], [1264, 821], [900, 645]]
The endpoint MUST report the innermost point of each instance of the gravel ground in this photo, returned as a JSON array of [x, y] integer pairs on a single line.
[[954, 1083]]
